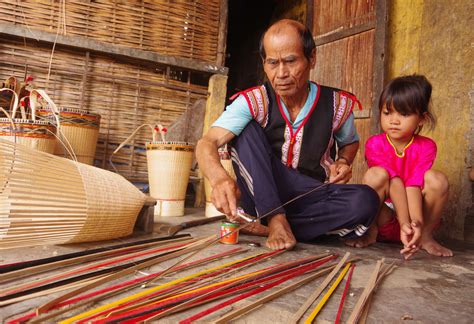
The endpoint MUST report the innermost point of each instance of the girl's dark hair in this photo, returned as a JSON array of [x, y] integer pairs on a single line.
[[306, 39], [410, 94]]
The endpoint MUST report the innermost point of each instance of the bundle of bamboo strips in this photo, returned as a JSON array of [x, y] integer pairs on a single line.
[[48, 199]]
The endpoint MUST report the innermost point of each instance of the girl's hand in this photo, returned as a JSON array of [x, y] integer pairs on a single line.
[[406, 234], [410, 234]]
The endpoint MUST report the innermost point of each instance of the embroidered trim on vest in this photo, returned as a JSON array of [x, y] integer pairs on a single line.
[[292, 146], [343, 105], [257, 100], [326, 159]]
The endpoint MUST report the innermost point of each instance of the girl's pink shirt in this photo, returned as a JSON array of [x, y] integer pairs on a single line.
[[418, 158]]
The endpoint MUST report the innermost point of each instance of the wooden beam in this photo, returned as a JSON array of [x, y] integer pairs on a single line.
[[380, 62], [337, 35], [87, 44]]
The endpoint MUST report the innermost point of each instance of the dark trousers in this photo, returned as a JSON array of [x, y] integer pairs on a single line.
[[266, 183]]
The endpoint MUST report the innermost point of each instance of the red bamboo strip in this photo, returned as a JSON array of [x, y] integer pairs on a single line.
[[192, 247], [86, 268], [220, 291], [127, 284], [289, 275], [175, 288], [343, 298]]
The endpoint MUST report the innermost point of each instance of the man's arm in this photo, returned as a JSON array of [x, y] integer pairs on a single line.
[[224, 189]]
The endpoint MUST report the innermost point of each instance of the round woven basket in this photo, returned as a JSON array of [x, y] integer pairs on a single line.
[[46, 199], [80, 129], [169, 166], [227, 164], [36, 134]]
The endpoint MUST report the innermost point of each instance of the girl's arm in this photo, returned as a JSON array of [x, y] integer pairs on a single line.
[[415, 207], [398, 195]]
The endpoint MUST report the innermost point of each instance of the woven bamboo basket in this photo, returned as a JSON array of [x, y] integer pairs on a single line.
[[79, 129], [169, 166], [227, 164], [33, 133], [48, 199]]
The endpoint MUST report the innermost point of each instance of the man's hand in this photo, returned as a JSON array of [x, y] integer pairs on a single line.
[[410, 235], [225, 194], [340, 172]]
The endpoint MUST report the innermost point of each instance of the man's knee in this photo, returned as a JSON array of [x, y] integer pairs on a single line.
[[365, 204], [436, 181]]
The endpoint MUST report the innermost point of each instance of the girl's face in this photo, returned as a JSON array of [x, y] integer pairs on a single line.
[[399, 127]]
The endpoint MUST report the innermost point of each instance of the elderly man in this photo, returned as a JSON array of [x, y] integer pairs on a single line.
[[285, 136]]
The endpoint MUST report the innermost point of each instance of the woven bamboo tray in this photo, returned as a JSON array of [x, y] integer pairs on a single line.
[[46, 199]]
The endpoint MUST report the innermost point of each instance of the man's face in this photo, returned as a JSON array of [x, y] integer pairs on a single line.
[[285, 65]]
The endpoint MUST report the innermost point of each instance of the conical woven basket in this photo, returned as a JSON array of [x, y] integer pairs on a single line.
[[227, 164], [79, 128], [36, 134], [52, 200], [169, 166]]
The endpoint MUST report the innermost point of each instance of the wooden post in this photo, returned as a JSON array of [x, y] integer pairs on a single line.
[[215, 100], [214, 107]]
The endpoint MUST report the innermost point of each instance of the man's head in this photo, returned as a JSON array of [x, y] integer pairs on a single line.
[[288, 52]]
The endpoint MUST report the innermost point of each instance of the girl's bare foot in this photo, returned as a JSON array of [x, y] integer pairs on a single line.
[[280, 236], [368, 239], [434, 248]]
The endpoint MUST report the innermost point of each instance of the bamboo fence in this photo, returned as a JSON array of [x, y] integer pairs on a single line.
[[126, 95], [183, 28]]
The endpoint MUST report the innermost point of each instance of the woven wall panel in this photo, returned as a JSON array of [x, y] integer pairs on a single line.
[[183, 28], [125, 94]]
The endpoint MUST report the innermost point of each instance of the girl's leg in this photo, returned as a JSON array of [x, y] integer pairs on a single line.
[[435, 195], [378, 179]]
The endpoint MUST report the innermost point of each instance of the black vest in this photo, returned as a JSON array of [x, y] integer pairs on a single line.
[[311, 149]]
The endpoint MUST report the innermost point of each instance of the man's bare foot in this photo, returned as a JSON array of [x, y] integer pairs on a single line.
[[280, 236], [256, 229], [368, 239], [434, 248]]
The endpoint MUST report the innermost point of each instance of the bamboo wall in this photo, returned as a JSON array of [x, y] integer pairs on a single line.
[[125, 93], [180, 28]]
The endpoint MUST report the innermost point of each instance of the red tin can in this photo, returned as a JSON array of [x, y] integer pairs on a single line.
[[226, 228]]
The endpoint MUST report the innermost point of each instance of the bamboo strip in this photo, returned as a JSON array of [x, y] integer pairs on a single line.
[[363, 297], [300, 312], [149, 291], [326, 296], [191, 247], [107, 292], [74, 258], [248, 308]]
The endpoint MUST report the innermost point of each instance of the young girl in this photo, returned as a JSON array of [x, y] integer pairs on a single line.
[[400, 171]]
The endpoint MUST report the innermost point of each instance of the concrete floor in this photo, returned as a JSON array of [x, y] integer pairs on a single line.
[[423, 290]]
